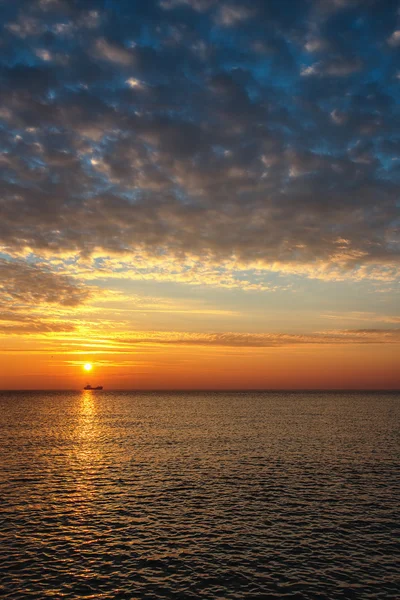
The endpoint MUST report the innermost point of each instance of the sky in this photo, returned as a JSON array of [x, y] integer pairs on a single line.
[[200, 194]]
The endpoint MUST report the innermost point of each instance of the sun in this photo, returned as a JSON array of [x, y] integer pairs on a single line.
[[88, 366]]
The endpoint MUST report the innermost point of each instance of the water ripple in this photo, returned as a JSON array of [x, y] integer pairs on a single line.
[[239, 496]]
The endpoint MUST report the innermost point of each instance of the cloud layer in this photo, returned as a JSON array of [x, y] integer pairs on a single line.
[[202, 129], [268, 340], [25, 287], [22, 284]]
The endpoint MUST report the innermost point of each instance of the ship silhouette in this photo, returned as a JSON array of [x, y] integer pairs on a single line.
[[89, 387]]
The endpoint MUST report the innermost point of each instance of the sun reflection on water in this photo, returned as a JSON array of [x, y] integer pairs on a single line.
[[87, 406], [87, 447], [87, 430]]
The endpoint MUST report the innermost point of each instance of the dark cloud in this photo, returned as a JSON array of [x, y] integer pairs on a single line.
[[267, 132], [24, 285]]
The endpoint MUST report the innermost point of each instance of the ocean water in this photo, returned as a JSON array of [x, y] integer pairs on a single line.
[[113, 495]]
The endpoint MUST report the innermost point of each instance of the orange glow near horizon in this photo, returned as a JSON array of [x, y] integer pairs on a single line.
[[179, 366], [230, 355]]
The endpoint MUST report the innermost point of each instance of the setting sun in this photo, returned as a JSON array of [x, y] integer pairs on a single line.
[[88, 367]]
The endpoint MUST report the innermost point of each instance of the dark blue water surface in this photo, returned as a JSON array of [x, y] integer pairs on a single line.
[[199, 495]]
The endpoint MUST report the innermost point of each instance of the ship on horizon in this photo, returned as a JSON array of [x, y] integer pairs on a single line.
[[89, 387]]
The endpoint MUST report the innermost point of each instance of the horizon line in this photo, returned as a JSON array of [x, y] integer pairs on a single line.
[[197, 390]]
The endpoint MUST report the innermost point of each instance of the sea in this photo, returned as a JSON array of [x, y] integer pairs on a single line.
[[238, 495]]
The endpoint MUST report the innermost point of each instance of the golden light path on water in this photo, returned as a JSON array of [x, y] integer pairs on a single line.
[[86, 452]]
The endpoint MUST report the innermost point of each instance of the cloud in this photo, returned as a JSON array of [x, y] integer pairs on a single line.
[[267, 340], [35, 300], [231, 15], [25, 26], [68, 339], [335, 67], [198, 134], [33, 327], [112, 52], [336, 5], [362, 316], [24, 285], [394, 39], [315, 44], [197, 5]]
